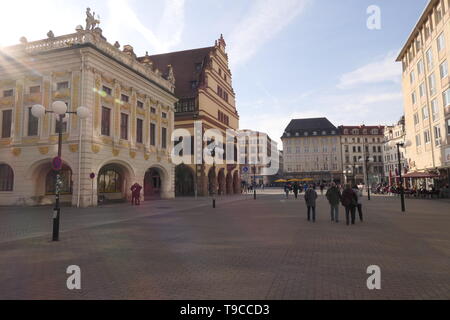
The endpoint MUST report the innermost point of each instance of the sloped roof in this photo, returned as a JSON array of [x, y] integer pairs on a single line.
[[302, 127], [188, 66]]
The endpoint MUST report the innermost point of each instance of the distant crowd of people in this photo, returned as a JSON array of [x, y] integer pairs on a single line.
[[349, 198], [419, 192]]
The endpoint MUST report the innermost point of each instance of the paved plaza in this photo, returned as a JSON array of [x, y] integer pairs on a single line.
[[243, 249]]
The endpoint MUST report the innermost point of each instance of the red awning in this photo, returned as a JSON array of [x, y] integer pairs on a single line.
[[418, 175]]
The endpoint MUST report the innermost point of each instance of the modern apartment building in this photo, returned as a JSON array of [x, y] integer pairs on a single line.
[[426, 91]]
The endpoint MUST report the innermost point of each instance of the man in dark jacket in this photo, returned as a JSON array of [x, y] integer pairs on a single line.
[[349, 201], [295, 189], [334, 197], [310, 199]]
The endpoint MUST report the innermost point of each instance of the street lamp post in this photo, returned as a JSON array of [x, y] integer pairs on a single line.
[[254, 181], [213, 155], [402, 189], [366, 167], [60, 109]]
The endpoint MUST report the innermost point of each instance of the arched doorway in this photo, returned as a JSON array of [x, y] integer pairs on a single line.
[[212, 185], [111, 183], [152, 184], [44, 183], [236, 183], [229, 183], [6, 177], [221, 182], [184, 181]]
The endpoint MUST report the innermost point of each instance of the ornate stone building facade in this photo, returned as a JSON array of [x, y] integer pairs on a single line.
[[206, 101], [258, 153], [362, 142], [392, 135], [311, 149], [126, 138]]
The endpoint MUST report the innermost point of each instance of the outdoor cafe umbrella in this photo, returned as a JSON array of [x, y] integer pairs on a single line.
[[280, 180], [295, 180]]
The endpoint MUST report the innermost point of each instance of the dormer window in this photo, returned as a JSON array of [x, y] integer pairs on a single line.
[[296, 134], [198, 66], [314, 133], [194, 84], [306, 133], [324, 133]]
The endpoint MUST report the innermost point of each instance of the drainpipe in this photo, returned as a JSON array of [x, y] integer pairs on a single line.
[[80, 132]]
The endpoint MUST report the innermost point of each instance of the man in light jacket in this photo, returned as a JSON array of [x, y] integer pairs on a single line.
[[310, 199], [359, 203]]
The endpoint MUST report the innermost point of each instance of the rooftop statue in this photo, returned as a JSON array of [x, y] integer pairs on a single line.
[[91, 22]]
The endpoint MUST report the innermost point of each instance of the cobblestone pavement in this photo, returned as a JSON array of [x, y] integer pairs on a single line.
[[246, 249]]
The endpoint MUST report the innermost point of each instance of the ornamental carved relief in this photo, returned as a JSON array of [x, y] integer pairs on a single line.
[[16, 151], [73, 147], [132, 154], [115, 152], [146, 156], [43, 150], [95, 148]]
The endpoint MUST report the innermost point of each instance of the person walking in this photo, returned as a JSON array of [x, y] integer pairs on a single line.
[[349, 201], [295, 189], [310, 199], [136, 194], [322, 186], [286, 190], [358, 202], [334, 197]]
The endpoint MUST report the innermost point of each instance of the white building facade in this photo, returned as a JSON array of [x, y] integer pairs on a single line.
[[126, 138]]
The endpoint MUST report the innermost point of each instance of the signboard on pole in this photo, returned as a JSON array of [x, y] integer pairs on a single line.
[[56, 163]]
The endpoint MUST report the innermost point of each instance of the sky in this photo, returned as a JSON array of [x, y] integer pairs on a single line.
[[289, 58]]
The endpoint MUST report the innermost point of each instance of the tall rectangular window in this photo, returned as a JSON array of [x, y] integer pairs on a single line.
[[426, 136], [163, 138], [437, 135], [432, 84], [441, 42], [124, 126], [416, 118], [448, 127], [420, 67], [413, 98], [33, 124], [422, 89], [152, 134], [6, 123], [443, 68], [106, 121], [446, 97], [425, 113], [429, 56], [418, 142], [35, 89], [412, 77], [434, 109], [139, 123]]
